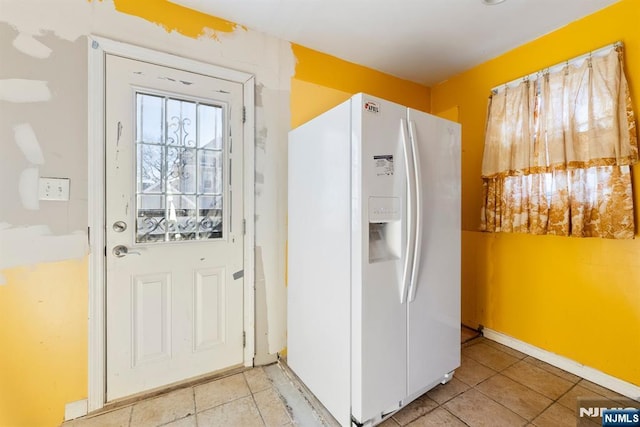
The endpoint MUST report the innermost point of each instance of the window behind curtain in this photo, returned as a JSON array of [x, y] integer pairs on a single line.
[[558, 151]]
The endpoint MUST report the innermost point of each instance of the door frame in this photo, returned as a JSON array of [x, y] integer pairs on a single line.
[[98, 48]]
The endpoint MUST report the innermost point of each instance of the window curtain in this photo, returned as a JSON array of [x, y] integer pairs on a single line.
[[558, 151]]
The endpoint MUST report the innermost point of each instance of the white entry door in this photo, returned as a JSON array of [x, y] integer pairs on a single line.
[[174, 225]]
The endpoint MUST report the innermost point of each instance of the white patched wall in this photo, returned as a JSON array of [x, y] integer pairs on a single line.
[[43, 133]]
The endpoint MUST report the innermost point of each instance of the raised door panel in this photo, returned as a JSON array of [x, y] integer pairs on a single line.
[[151, 326], [209, 314]]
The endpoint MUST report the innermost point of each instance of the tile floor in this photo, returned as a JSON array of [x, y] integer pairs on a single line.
[[495, 386]]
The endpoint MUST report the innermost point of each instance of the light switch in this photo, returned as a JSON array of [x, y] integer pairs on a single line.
[[54, 189]]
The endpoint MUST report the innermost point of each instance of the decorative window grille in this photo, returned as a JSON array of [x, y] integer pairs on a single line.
[[179, 169]]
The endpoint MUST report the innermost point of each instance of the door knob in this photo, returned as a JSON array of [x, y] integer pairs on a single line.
[[122, 250]]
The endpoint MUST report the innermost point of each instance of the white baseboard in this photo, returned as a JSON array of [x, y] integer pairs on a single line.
[[75, 409], [612, 383]]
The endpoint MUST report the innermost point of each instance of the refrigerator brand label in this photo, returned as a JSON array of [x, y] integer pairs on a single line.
[[372, 107], [383, 165]]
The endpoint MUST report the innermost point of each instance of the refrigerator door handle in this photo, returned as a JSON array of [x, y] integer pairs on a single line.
[[418, 212], [411, 191]]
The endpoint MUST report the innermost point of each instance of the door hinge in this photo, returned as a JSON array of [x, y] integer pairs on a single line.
[[244, 227], [244, 114], [244, 339]]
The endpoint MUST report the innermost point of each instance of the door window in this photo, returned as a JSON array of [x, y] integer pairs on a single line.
[[179, 169]]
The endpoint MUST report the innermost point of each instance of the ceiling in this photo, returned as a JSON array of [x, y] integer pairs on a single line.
[[425, 41]]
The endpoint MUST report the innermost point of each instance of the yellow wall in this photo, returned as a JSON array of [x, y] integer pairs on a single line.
[[43, 357], [579, 298], [323, 81], [173, 17]]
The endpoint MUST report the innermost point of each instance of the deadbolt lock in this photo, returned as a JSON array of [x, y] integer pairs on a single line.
[[119, 226]]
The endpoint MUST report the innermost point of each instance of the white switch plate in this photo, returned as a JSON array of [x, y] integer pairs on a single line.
[[54, 189]]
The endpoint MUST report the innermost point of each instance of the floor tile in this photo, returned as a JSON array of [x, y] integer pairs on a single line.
[[550, 368], [471, 372], [513, 395], [467, 334], [476, 409], [495, 386], [240, 412], [189, 421], [556, 416], [271, 408], [116, 418], [415, 409], [586, 422], [570, 399], [389, 422], [544, 382], [220, 391], [443, 392], [474, 341], [610, 394], [257, 379], [163, 409], [437, 418], [303, 407], [489, 356], [508, 350]]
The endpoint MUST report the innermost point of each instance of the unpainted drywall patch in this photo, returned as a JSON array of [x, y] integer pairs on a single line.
[[154, 24], [271, 204], [28, 188], [28, 45], [23, 246], [66, 19], [23, 90], [27, 141]]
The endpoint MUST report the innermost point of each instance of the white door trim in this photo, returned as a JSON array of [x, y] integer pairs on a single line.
[[98, 48]]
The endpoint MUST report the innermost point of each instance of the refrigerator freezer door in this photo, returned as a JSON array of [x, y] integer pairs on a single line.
[[319, 258], [379, 322], [434, 312]]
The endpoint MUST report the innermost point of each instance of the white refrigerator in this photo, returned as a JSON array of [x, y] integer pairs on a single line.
[[373, 256]]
